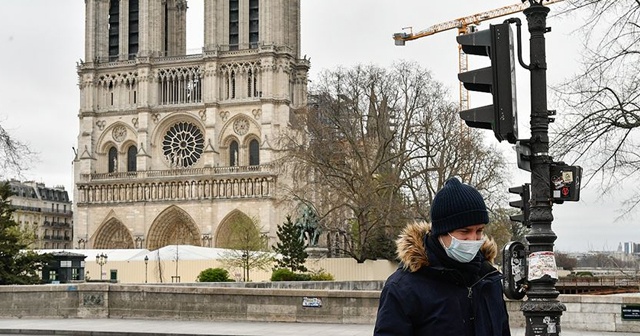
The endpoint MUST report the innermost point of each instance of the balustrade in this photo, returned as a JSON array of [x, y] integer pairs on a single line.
[[137, 175], [245, 187]]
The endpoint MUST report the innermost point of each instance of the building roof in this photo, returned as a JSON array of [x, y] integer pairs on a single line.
[[169, 252]]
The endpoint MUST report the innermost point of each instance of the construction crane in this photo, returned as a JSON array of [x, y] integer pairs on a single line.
[[464, 25]]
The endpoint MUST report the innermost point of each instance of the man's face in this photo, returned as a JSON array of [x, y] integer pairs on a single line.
[[471, 232]]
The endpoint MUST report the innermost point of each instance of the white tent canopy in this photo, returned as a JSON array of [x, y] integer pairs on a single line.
[[169, 252]]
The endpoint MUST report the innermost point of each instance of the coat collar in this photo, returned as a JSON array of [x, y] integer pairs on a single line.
[[412, 250]]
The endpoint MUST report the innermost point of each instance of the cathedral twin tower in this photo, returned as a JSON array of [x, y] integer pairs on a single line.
[[173, 147]]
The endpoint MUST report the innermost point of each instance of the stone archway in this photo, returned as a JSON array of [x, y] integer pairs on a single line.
[[173, 226], [234, 224], [112, 235]]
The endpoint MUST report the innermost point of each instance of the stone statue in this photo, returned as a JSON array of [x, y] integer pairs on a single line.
[[308, 223]]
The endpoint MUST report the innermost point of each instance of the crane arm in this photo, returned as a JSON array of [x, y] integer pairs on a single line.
[[464, 21]]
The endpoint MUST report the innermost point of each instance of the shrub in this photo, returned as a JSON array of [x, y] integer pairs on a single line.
[[321, 275], [214, 275], [284, 274]]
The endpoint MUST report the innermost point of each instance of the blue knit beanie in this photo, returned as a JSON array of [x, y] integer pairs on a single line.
[[455, 206]]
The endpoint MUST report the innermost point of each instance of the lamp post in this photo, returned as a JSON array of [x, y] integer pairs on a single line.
[[146, 263], [542, 310], [101, 259], [245, 267]]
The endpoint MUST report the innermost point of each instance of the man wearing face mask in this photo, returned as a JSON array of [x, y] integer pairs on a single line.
[[445, 284]]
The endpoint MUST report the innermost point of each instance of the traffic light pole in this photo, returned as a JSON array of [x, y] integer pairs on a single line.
[[542, 310]]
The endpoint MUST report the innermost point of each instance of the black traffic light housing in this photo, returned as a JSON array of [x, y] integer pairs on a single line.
[[523, 204], [498, 79]]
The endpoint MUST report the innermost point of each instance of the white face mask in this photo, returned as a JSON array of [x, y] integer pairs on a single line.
[[462, 250]]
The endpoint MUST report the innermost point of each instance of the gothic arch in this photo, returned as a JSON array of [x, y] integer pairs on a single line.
[[112, 234], [159, 135], [173, 226], [104, 148], [225, 150], [226, 227], [106, 137], [173, 118], [251, 146], [227, 128]]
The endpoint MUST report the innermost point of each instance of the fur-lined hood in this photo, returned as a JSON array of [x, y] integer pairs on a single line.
[[412, 252]]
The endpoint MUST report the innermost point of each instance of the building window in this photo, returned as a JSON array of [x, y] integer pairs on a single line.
[[254, 24], [232, 83], [254, 153], [132, 152], [133, 28], [113, 160], [180, 85], [183, 145], [234, 24], [252, 84], [114, 29], [233, 153]]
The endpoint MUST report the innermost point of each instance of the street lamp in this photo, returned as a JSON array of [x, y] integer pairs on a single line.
[[245, 267], [146, 263], [101, 259]]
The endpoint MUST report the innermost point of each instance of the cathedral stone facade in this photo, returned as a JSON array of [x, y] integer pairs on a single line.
[[173, 148]]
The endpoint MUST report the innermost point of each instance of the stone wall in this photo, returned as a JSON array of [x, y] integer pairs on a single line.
[[104, 300], [336, 303], [588, 312]]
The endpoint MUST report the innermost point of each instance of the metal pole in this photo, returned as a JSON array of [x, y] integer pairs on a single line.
[[101, 259], [146, 263], [542, 310]]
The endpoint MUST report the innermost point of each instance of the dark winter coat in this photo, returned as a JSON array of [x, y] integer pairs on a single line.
[[432, 295]]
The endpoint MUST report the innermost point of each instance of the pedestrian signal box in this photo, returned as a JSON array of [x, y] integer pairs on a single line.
[[565, 182]]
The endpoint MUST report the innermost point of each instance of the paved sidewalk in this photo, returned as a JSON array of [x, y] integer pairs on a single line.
[[125, 327]]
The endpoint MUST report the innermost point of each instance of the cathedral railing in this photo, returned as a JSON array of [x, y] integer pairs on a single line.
[[208, 171], [177, 189]]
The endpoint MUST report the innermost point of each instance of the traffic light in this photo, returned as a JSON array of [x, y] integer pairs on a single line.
[[498, 79], [523, 204]]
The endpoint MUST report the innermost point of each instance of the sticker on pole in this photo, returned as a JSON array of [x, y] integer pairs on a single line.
[[542, 263]]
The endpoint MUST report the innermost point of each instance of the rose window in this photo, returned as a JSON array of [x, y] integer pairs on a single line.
[[241, 126], [183, 144]]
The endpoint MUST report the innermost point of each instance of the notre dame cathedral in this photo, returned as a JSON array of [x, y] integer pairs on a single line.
[[173, 147]]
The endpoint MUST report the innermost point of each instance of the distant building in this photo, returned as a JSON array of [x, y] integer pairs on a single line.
[[43, 212], [630, 248]]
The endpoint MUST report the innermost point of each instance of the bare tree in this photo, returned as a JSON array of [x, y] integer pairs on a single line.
[[377, 145], [600, 105], [15, 156], [248, 248], [565, 261]]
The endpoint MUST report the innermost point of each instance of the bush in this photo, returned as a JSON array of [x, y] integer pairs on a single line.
[[284, 274], [321, 275], [214, 275]]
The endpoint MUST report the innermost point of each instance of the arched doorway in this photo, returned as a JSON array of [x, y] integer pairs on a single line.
[[173, 226], [238, 231], [112, 235]]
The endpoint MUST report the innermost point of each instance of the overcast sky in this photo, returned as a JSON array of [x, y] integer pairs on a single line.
[[41, 41]]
